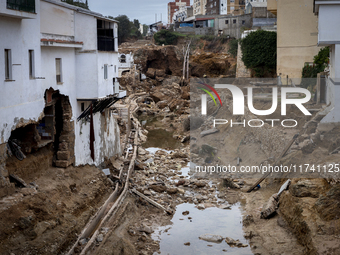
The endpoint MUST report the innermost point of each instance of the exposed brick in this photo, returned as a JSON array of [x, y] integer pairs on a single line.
[[66, 138], [62, 163], [63, 146], [63, 155]]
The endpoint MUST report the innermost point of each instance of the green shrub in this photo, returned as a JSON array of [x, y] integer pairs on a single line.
[[208, 37], [233, 45], [311, 71], [166, 37], [259, 52]]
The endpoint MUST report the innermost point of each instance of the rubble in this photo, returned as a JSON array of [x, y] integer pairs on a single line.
[[211, 238]]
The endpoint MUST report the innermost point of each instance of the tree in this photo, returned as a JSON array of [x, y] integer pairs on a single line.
[[145, 29], [124, 28], [136, 23], [321, 60], [311, 71], [259, 52]]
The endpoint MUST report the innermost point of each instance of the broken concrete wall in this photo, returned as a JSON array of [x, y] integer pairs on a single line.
[[107, 139]]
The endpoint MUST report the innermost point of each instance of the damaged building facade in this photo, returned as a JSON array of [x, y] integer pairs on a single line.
[[59, 69], [327, 13]]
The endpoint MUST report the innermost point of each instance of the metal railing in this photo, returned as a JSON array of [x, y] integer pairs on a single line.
[[106, 43], [21, 5]]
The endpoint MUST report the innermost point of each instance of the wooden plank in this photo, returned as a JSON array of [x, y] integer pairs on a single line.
[[151, 201], [117, 203], [209, 132]]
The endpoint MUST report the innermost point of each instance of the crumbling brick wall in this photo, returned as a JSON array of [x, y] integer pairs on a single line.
[[5, 186], [65, 153]]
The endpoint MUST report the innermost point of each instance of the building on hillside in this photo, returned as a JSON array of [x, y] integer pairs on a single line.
[[297, 37], [254, 1], [262, 18], [233, 25], [59, 68], [155, 27], [174, 6], [237, 7], [183, 13], [199, 7], [224, 7], [213, 7], [329, 35]]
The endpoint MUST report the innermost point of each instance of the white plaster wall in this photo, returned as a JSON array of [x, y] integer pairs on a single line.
[[107, 139], [87, 75], [333, 91], [329, 20], [86, 31], [56, 19], [105, 86], [116, 36], [67, 55], [21, 100]]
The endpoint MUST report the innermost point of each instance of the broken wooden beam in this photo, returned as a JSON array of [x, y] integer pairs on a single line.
[[279, 158], [18, 181], [209, 132], [151, 201]]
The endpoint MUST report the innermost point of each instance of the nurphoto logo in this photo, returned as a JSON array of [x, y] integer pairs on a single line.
[[239, 109]]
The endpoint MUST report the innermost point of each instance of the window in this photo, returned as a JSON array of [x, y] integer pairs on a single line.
[[82, 106], [58, 70], [243, 22], [26, 6], [105, 72], [234, 21], [226, 21], [31, 63], [8, 64], [122, 59]]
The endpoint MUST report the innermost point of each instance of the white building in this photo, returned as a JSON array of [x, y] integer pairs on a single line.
[[329, 35], [224, 7], [56, 60], [183, 13]]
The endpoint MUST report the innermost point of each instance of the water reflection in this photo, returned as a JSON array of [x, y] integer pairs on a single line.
[[227, 223]]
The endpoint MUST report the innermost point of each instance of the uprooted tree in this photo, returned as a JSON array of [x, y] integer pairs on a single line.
[[259, 52]]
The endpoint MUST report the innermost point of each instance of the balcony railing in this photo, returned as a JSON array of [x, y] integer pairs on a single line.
[[106, 43], [21, 5]]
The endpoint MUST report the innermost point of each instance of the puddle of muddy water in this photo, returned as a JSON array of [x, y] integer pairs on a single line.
[[227, 223], [162, 139]]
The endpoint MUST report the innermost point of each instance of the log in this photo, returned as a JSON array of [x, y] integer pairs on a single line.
[[209, 132], [270, 207], [151, 201]]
